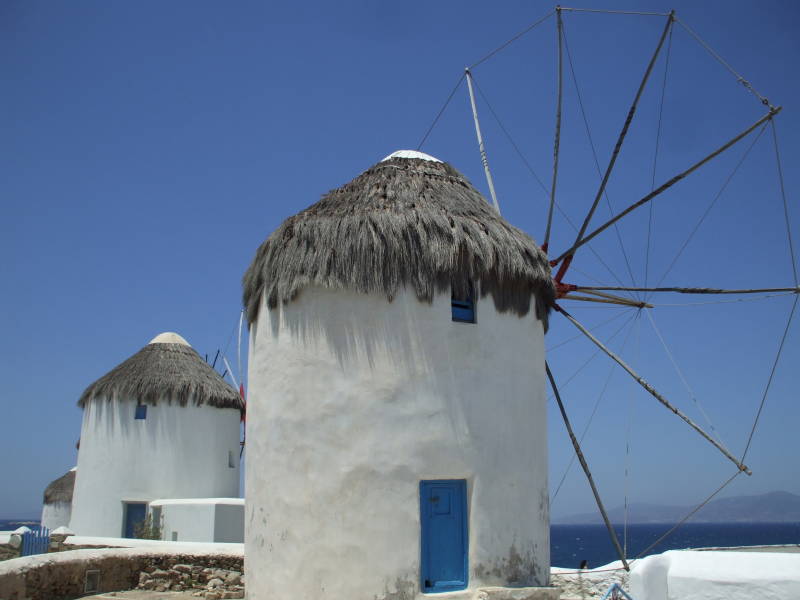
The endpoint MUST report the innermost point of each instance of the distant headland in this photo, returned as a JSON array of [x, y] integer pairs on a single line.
[[773, 507]]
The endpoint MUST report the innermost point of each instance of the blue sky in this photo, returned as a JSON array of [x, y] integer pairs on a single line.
[[148, 149]]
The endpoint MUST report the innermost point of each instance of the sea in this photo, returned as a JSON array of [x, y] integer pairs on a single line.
[[572, 544]]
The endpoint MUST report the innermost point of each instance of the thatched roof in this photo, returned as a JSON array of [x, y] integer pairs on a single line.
[[169, 370], [410, 220], [60, 490]]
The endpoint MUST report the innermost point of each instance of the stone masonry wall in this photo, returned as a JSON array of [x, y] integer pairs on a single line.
[[62, 576]]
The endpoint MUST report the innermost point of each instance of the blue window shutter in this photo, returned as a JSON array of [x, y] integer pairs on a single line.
[[141, 411], [463, 309]]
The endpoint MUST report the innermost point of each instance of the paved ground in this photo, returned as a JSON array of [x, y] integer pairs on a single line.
[[144, 595]]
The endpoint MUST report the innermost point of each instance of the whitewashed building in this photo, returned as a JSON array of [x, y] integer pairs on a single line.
[[162, 424], [200, 519], [57, 501], [396, 428]]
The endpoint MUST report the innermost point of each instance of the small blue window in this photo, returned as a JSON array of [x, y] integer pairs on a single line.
[[141, 411], [463, 307]]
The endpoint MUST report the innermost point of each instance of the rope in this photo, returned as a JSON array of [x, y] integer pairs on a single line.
[[687, 517], [615, 153], [764, 297], [595, 328], [592, 357], [594, 154], [538, 180], [441, 110], [653, 392], [513, 39], [665, 186], [616, 12], [586, 427], [721, 61], [628, 439], [655, 158], [711, 205], [785, 204], [689, 389], [771, 375]]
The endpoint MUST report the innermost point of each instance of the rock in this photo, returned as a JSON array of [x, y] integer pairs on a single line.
[[212, 596], [160, 574], [161, 588], [183, 568], [232, 594], [220, 574], [233, 578], [176, 588], [215, 583]]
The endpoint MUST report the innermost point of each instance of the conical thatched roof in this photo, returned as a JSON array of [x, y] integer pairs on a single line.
[[411, 220], [167, 369], [60, 490]]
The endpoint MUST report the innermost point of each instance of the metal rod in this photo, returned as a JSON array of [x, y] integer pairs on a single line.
[[618, 146], [576, 445], [684, 290], [481, 147], [557, 137], [653, 391], [667, 185]]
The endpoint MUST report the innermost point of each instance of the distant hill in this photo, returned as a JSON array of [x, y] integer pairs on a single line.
[[774, 507]]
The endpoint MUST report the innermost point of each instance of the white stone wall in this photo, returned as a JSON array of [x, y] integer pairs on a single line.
[[56, 514], [353, 400], [201, 519], [709, 575], [176, 452]]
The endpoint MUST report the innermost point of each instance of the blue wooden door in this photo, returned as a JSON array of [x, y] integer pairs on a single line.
[[134, 514], [443, 518]]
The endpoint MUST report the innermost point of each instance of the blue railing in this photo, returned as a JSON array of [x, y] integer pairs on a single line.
[[615, 592], [35, 542]]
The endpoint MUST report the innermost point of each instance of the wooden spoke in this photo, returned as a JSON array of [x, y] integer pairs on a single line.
[[653, 392], [567, 255], [576, 445], [683, 290]]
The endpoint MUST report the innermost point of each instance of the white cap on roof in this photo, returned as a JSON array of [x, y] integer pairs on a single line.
[[169, 337], [411, 154]]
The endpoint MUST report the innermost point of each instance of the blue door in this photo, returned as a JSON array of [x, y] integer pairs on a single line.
[[134, 515], [443, 517]]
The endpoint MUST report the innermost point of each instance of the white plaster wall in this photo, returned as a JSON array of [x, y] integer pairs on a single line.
[[201, 519], [176, 452], [188, 523], [56, 514], [229, 523], [353, 400], [692, 575]]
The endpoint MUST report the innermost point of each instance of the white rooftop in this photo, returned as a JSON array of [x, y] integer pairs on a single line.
[[411, 154], [169, 337]]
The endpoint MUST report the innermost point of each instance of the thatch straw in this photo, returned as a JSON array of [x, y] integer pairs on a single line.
[[60, 490], [404, 222], [164, 372]]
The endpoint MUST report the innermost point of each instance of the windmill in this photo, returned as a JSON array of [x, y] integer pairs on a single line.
[[636, 296]]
